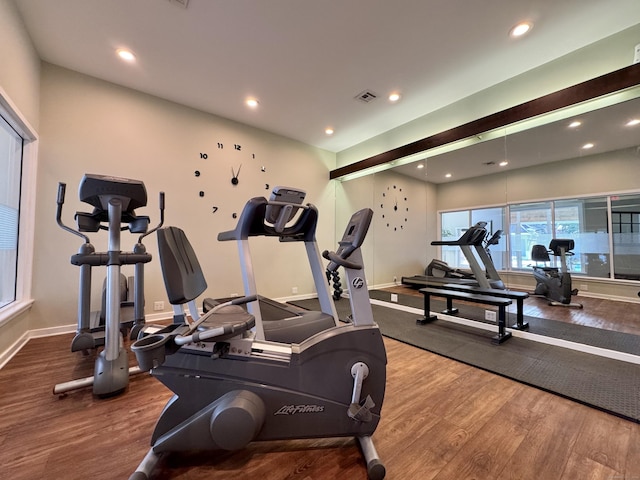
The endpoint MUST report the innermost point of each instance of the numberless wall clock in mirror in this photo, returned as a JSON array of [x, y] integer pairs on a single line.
[[395, 208]]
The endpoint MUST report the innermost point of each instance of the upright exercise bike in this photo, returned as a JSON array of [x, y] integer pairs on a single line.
[[114, 201], [551, 282], [232, 388]]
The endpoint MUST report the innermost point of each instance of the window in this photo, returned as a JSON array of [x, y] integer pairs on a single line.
[[625, 226], [529, 224], [585, 221], [10, 181], [602, 228], [18, 159], [454, 224]]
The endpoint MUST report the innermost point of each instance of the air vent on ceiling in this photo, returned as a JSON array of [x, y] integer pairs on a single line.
[[366, 96], [182, 3]]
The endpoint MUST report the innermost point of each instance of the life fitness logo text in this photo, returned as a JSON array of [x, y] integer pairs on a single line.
[[357, 282], [293, 409]]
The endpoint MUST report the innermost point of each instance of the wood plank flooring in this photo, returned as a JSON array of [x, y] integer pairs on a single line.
[[596, 312], [441, 420]]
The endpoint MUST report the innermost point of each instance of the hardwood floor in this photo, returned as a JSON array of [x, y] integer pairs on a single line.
[[441, 420], [596, 312]]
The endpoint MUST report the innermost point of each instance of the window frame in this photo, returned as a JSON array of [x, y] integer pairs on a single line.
[[552, 205], [26, 228]]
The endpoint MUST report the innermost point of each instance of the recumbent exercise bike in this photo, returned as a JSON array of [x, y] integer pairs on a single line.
[[551, 282], [231, 388]]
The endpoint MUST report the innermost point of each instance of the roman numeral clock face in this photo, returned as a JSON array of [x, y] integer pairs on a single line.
[[395, 208], [232, 165]]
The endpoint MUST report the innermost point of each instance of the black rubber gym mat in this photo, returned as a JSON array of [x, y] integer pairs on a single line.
[[596, 337], [603, 383]]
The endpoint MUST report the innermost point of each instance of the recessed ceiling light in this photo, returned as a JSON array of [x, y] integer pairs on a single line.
[[328, 131], [126, 55], [394, 97], [587, 146], [575, 124], [632, 123], [420, 166], [504, 163], [520, 29], [251, 102], [448, 175]]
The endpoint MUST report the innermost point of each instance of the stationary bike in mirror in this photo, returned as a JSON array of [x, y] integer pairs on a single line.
[[554, 283]]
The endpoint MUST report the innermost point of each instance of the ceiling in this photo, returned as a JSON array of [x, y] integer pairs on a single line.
[[605, 128], [307, 61]]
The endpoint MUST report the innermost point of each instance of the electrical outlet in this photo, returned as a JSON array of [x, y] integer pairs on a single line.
[[294, 290], [158, 306], [394, 297], [636, 56], [395, 279], [490, 315]]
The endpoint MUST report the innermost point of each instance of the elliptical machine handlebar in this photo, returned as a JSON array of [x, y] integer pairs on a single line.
[[62, 187], [161, 206]]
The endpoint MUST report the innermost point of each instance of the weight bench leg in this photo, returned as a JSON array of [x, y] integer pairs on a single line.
[[450, 310], [503, 335], [520, 325], [427, 311]]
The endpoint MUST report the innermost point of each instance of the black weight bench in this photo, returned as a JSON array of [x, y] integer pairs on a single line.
[[450, 295], [519, 297]]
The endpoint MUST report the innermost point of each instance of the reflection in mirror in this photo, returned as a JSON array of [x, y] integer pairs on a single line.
[[572, 174], [625, 225]]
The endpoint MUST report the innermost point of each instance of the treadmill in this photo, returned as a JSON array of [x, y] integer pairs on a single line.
[[285, 217], [469, 242]]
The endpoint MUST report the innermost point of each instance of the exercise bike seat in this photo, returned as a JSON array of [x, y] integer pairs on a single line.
[[299, 328], [539, 253], [184, 282]]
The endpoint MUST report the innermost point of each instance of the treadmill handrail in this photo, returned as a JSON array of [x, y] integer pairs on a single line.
[[473, 236]]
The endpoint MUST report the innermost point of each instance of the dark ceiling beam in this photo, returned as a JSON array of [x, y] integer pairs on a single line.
[[609, 83]]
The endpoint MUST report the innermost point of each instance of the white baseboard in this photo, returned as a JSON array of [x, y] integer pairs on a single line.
[[10, 352]]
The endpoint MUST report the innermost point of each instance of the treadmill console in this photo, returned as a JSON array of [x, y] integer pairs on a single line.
[[283, 206], [355, 232]]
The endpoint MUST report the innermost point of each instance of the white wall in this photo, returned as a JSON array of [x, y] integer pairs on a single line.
[[91, 126], [20, 82], [399, 248], [20, 71], [614, 172]]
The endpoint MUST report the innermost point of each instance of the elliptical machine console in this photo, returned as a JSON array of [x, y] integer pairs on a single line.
[[243, 389]]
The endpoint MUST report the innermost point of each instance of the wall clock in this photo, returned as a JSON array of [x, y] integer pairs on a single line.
[[395, 208], [229, 157]]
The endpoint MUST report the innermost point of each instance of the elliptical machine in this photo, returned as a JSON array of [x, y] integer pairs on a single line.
[[551, 282], [114, 201], [232, 388]]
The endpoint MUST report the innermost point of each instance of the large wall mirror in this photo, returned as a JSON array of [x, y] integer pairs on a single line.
[[563, 178]]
